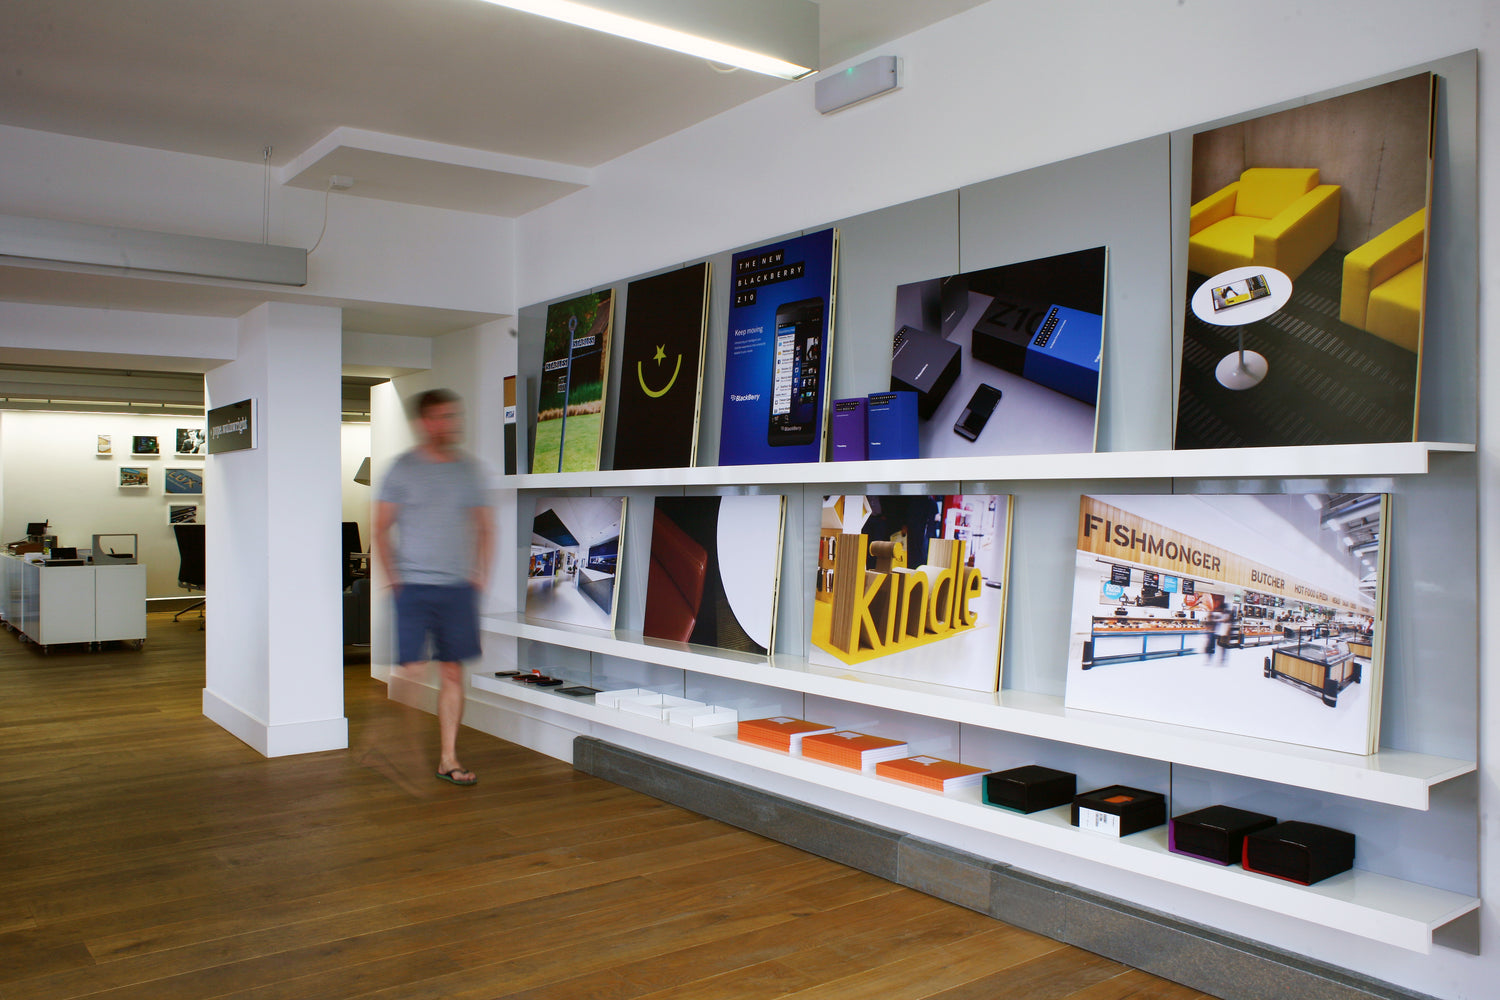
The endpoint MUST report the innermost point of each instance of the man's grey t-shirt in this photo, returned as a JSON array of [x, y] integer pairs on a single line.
[[434, 519]]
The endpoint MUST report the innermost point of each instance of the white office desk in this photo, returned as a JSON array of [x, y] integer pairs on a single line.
[[57, 604]]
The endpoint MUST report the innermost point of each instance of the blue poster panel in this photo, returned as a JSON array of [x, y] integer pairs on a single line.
[[780, 336]]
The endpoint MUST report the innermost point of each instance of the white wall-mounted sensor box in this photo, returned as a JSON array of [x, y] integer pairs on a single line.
[[851, 86]]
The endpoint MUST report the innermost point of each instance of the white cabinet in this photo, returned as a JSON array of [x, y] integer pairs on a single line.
[[62, 604]]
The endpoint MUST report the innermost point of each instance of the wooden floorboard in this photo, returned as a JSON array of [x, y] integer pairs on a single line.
[[146, 853]]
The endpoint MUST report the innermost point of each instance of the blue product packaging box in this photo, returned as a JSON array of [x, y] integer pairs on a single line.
[[850, 437], [1064, 354], [892, 421]]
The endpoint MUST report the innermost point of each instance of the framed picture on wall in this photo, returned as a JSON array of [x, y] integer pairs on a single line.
[[183, 513], [145, 444], [105, 446], [192, 441], [134, 477], [184, 481]]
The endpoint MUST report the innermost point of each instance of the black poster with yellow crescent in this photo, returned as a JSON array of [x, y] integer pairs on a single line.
[[661, 378]]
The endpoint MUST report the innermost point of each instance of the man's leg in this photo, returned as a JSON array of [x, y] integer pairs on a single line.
[[450, 714]]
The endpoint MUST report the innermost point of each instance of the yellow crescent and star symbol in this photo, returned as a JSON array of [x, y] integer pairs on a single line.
[[661, 355]]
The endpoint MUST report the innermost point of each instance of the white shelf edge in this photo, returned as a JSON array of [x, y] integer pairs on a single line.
[[1376, 907], [1314, 461], [1392, 777]]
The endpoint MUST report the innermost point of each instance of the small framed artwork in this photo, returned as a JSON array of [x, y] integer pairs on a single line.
[[182, 513], [145, 444], [134, 477], [184, 481], [105, 446], [192, 441]]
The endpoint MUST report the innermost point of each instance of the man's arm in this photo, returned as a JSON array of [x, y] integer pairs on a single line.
[[385, 517], [484, 541]]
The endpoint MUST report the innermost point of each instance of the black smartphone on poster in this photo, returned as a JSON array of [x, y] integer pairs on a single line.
[[796, 365], [977, 413]]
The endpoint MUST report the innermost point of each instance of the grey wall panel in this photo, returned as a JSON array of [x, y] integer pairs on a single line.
[[1118, 198], [1044, 538], [1449, 410], [877, 252]]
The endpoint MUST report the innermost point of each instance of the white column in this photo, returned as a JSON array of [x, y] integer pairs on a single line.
[[275, 614]]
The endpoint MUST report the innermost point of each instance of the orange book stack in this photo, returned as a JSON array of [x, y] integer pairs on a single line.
[[932, 773], [856, 751], [780, 732]]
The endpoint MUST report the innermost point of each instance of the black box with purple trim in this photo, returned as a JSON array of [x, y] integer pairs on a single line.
[[1215, 834]]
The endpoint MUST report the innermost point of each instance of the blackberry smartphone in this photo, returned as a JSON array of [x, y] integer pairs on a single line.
[[796, 361], [972, 420]]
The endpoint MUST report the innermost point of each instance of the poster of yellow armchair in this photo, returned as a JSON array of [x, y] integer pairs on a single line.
[[1325, 206]]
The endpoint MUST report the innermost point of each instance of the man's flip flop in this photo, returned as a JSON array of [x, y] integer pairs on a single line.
[[448, 776]]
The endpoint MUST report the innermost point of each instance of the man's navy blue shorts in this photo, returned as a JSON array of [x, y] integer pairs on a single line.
[[450, 614]]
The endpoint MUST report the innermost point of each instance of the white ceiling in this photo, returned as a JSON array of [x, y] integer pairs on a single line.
[[226, 79], [447, 103]]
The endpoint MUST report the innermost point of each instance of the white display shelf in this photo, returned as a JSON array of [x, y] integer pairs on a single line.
[[1321, 461], [1376, 907], [1393, 777]]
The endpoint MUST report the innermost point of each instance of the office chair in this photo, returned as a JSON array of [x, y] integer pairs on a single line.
[[191, 574], [351, 546], [356, 592]]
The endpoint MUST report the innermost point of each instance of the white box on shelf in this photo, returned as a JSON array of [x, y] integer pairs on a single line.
[[699, 717], [611, 699], [655, 706]]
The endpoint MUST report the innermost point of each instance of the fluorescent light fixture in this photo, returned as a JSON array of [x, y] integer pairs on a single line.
[[58, 242], [775, 37]]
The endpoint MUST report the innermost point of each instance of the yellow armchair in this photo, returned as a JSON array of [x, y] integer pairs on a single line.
[[1382, 290], [1277, 217]]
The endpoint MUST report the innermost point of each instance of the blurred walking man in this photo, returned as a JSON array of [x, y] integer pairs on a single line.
[[433, 532]]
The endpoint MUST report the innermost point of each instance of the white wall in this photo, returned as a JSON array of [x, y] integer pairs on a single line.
[[52, 472], [1008, 86], [49, 469], [373, 251]]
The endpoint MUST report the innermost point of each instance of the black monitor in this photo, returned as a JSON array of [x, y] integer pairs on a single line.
[[36, 527]]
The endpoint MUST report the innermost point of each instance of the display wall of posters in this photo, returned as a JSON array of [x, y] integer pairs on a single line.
[[1262, 616], [780, 339], [913, 587], [575, 552], [661, 378], [135, 476], [1005, 360], [714, 571], [184, 481], [192, 441], [575, 373], [1307, 247]]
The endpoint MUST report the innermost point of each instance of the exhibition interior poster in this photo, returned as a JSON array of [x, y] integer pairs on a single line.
[[780, 339], [661, 378], [1262, 616], [1306, 273], [575, 372], [575, 552], [913, 587], [1004, 360], [715, 565]]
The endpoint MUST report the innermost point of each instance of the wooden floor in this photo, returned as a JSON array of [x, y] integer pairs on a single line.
[[145, 853]]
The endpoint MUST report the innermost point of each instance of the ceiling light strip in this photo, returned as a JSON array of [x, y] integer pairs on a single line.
[[661, 35]]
